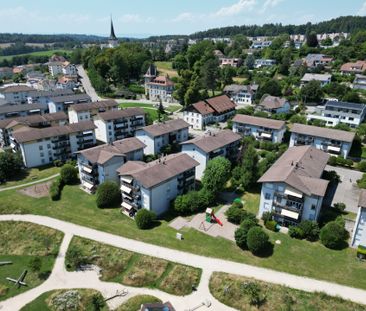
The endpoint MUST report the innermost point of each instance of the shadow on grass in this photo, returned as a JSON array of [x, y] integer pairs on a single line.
[[266, 252]]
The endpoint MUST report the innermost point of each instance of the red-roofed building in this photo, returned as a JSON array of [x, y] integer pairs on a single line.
[[211, 110], [158, 87]]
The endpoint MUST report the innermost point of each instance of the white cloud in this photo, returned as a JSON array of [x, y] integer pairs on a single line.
[[362, 10], [268, 4], [236, 8]]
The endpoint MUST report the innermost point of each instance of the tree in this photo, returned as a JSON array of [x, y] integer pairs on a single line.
[[257, 240], [310, 230], [312, 92], [333, 235], [210, 74], [227, 75], [250, 61], [312, 40], [241, 233], [98, 302], [352, 97], [244, 174], [69, 174], [144, 219], [216, 174], [108, 195], [10, 165], [270, 87], [161, 110], [192, 202], [35, 264]]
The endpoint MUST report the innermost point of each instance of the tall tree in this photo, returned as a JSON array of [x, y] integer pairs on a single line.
[[210, 74], [216, 174], [312, 40]]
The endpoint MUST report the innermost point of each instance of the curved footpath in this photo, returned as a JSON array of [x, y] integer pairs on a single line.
[[30, 183], [62, 279]]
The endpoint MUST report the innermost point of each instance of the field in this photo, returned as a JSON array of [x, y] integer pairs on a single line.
[[21, 243], [38, 53], [165, 68], [46, 302], [135, 303], [293, 256], [132, 269], [247, 294]]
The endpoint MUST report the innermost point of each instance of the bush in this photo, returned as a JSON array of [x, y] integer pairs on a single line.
[[253, 290], [340, 207], [108, 195], [56, 189], [35, 264], [144, 218], [332, 161], [193, 202], [271, 225], [69, 174], [267, 216], [237, 204], [295, 232], [257, 240], [333, 235], [241, 233], [362, 166], [57, 163], [235, 215], [310, 230]]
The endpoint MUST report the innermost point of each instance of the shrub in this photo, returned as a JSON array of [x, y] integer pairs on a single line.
[[253, 290], [35, 264], [241, 233], [144, 218], [362, 166], [55, 189], [340, 207], [108, 195], [295, 232], [69, 174], [332, 161], [57, 163], [333, 235], [267, 216], [193, 202], [237, 204], [271, 225], [257, 240], [98, 302], [235, 215], [310, 230]]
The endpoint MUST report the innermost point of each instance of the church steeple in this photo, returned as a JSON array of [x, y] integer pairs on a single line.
[[112, 35]]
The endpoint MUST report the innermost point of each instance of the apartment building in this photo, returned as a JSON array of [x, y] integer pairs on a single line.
[[15, 94], [359, 231], [20, 110], [259, 128], [154, 185], [160, 135], [115, 125], [62, 68], [87, 111], [292, 188], [62, 103], [205, 148], [211, 110], [99, 164], [160, 88], [334, 142], [43, 146]]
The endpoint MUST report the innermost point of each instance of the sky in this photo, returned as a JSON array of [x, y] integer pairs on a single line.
[[140, 18]]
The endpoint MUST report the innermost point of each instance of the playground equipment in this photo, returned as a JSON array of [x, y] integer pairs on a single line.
[[20, 281], [211, 218], [4, 263]]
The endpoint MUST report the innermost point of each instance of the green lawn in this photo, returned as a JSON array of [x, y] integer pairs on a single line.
[[165, 68], [150, 110], [292, 256], [20, 243], [38, 53], [134, 303], [32, 174], [363, 155]]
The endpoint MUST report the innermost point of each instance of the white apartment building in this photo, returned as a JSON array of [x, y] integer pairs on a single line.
[[359, 231], [84, 112], [160, 88], [160, 135], [43, 146], [115, 125], [334, 142], [62, 103], [205, 148], [259, 128], [62, 68], [21, 110], [99, 164], [292, 189], [156, 184], [15, 94]]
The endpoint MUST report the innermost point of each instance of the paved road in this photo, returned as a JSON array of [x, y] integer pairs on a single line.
[[86, 84], [30, 183], [208, 265]]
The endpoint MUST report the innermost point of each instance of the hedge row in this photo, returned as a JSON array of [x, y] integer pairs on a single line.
[[56, 189]]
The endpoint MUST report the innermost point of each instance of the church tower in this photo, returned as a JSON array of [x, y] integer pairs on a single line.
[[112, 41]]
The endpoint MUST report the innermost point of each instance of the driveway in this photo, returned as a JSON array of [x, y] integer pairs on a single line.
[[347, 190], [89, 89], [208, 266]]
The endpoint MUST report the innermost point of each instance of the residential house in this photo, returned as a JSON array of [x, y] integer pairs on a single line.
[[43, 146], [358, 67], [211, 110], [359, 83], [160, 135], [34, 78], [87, 111], [334, 142], [99, 164], [273, 105], [259, 128], [324, 79], [160, 88], [7, 126], [292, 188], [118, 124], [67, 82], [205, 148], [20, 110], [259, 63], [62, 103], [315, 60], [230, 61], [335, 112], [261, 44], [62, 68], [359, 231], [155, 185], [241, 94]]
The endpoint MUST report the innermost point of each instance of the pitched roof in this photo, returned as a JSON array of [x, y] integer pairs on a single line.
[[16, 88], [347, 105], [165, 127], [34, 119], [258, 121], [316, 76], [154, 173], [94, 105], [359, 66], [362, 199], [203, 108], [119, 114], [221, 103], [273, 102], [162, 80], [214, 141], [71, 98], [103, 153], [323, 132], [34, 134], [301, 168], [21, 107]]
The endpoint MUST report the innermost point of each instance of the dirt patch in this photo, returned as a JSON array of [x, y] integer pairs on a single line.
[[37, 190]]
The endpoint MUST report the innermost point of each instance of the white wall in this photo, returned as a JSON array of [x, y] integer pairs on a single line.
[[277, 135], [162, 195], [101, 131], [197, 154]]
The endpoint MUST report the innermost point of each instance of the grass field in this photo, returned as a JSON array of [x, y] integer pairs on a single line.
[[166, 68], [247, 294], [292, 256], [30, 175], [46, 302], [134, 303], [38, 53], [132, 269], [21, 243]]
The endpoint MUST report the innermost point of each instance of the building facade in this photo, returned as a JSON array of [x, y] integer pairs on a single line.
[[20, 110], [62, 103], [359, 231], [85, 112], [274, 105], [241, 94]]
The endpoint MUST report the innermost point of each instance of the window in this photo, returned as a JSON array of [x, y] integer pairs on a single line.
[[267, 196], [43, 161], [81, 117], [109, 127], [42, 154], [40, 147], [313, 207], [48, 146]]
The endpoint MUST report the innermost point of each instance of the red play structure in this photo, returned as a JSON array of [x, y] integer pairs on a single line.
[[210, 217]]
